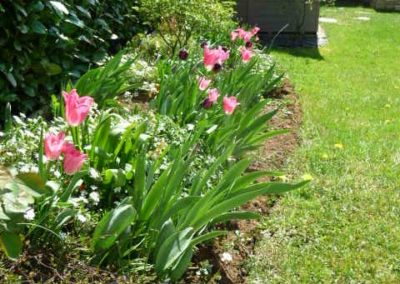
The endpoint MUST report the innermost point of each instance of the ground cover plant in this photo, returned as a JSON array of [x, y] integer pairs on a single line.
[[344, 227], [133, 189]]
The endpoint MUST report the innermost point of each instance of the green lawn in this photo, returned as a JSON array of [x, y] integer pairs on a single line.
[[345, 226]]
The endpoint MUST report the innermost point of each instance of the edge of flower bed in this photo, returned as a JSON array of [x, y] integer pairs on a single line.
[[228, 254]]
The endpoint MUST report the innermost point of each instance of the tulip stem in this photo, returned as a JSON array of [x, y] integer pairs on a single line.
[[75, 136]]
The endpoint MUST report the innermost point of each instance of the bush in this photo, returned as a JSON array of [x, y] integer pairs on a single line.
[[45, 43], [178, 21]]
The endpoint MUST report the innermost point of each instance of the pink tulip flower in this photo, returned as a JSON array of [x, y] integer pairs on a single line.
[[213, 95], [210, 57], [73, 159], [53, 145], [246, 54], [240, 32], [234, 35], [203, 83], [76, 108], [247, 36], [229, 104], [223, 55], [255, 30], [214, 56]]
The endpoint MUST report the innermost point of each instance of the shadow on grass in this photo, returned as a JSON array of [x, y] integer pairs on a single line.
[[351, 3], [306, 52]]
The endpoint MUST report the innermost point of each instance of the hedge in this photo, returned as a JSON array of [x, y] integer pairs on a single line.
[[44, 43]]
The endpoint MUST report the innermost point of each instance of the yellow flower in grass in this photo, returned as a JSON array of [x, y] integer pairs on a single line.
[[324, 156], [338, 146], [307, 177]]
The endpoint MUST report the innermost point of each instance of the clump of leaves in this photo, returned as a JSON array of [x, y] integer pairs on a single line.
[[178, 21]]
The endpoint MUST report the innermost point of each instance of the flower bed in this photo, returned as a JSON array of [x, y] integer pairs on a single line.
[[137, 190]]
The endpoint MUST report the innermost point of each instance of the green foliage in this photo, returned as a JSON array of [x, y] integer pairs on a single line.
[[45, 43], [178, 21], [17, 195], [155, 183], [105, 83], [180, 98]]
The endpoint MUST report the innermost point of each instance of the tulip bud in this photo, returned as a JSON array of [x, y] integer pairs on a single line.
[[207, 103], [249, 44], [217, 67], [183, 54]]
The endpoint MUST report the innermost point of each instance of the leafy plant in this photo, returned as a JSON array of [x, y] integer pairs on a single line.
[[178, 21], [105, 83], [45, 43], [17, 195]]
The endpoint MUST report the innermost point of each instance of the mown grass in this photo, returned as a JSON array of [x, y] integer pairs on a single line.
[[345, 226]]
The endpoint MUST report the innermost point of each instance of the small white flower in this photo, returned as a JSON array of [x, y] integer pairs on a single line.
[[57, 174], [226, 257], [94, 174], [25, 169], [95, 197], [81, 218], [83, 200], [34, 169], [190, 127], [29, 214]]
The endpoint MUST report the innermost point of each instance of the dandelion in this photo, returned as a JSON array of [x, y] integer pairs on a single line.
[[307, 177], [338, 146]]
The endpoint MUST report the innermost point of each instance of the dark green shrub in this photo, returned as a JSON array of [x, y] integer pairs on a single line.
[[44, 43]]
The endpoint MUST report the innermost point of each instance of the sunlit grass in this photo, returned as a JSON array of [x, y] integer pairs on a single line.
[[345, 226]]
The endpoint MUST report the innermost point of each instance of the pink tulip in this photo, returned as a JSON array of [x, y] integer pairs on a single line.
[[210, 58], [240, 32], [73, 159], [53, 145], [214, 56], [213, 95], [234, 35], [203, 83], [255, 30], [246, 54], [223, 55], [76, 108], [230, 104], [247, 36]]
